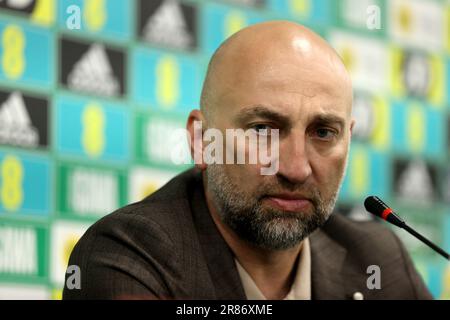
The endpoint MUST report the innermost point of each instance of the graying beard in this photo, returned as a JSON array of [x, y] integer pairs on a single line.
[[269, 229]]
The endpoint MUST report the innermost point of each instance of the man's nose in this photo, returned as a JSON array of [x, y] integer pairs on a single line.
[[294, 163]]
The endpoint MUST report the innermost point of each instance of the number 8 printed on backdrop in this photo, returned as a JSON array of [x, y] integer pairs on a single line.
[[13, 45]]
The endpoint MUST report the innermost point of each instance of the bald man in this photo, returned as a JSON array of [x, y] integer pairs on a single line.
[[226, 231]]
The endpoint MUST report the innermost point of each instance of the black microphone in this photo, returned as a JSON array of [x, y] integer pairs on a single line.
[[377, 207]]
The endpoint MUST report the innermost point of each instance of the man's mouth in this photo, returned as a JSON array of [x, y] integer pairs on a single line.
[[289, 202]]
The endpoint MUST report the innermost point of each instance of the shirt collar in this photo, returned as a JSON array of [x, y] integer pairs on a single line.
[[301, 287]]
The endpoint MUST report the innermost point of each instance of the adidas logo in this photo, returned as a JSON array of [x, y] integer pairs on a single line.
[[167, 27], [15, 124], [18, 4], [415, 183], [93, 73]]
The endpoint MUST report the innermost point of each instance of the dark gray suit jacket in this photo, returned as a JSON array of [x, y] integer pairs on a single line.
[[168, 247]]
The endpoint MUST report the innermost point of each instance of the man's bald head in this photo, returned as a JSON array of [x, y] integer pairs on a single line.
[[261, 48]]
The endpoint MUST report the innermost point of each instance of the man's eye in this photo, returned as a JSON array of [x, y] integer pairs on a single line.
[[261, 129], [325, 134]]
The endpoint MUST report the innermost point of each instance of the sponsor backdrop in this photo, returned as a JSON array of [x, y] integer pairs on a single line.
[[90, 92]]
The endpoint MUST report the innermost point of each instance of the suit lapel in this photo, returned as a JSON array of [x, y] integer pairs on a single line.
[[327, 263], [220, 260]]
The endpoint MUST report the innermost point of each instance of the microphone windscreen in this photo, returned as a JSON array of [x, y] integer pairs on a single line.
[[375, 205]]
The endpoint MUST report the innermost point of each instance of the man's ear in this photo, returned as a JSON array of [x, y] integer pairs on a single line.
[[352, 124], [194, 127]]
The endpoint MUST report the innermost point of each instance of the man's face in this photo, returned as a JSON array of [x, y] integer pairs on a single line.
[[311, 109]]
